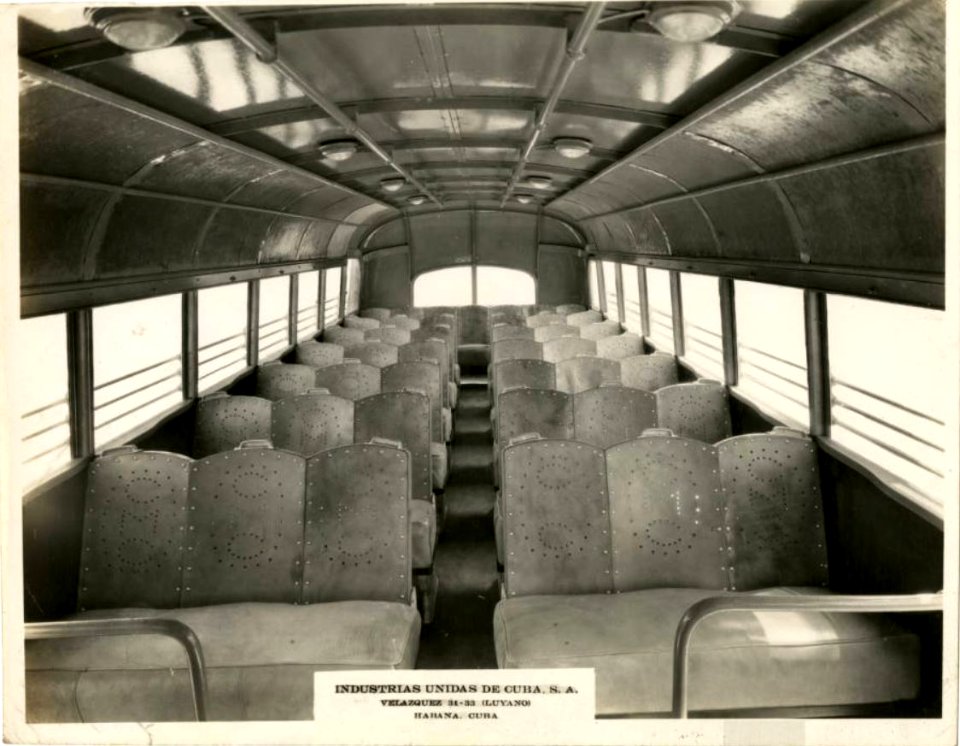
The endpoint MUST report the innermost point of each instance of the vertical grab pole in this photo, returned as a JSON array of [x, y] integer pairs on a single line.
[[189, 354], [818, 361], [644, 303], [253, 323], [80, 381], [676, 308], [293, 310], [728, 329], [621, 308]]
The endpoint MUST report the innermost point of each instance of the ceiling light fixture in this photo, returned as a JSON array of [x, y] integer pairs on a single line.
[[138, 29], [416, 199], [524, 199], [338, 150], [692, 21], [538, 182], [392, 184], [572, 147]]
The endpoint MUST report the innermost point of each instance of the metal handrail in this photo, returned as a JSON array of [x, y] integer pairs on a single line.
[[842, 604], [742, 346], [136, 372], [275, 332], [768, 387], [120, 416], [207, 346], [45, 407], [46, 429], [778, 376], [171, 628], [128, 394], [693, 338], [223, 353], [207, 374], [704, 329], [889, 448], [890, 402], [884, 423], [278, 320]]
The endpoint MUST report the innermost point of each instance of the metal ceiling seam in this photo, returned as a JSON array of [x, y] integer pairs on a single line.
[[83, 88], [268, 53], [848, 26]]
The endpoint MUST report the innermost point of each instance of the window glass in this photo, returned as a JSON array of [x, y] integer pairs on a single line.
[[888, 372], [331, 297], [42, 397], [136, 364], [307, 292], [594, 285], [221, 334], [443, 287], [610, 290], [633, 320], [498, 286], [353, 287], [703, 336], [274, 313], [661, 309], [771, 349]]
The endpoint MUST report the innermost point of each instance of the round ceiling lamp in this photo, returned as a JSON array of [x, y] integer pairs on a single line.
[[524, 199], [572, 147], [138, 29], [416, 199], [394, 184], [538, 182], [691, 21], [338, 150]]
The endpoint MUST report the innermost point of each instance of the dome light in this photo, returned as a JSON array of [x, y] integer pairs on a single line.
[[138, 29], [691, 21], [524, 199], [538, 182], [572, 147], [392, 184], [338, 150], [416, 199]]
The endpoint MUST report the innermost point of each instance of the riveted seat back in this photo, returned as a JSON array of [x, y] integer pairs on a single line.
[[608, 415], [555, 331], [582, 318], [619, 346], [519, 411], [511, 331], [545, 318], [357, 534], [695, 410], [134, 526], [434, 312], [648, 372], [569, 308], [279, 380], [473, 325], [349, 380], [555, 521], [419, 375], [666, 509], [381, 314], [338, 335], [359, 322], [319, 354], [513, 315], [774, 513], [224, 422], [600, 329], [312, 422], [390, 334], [430, 349], [405, 322], [530, 374], [566, 348], [402, 416], [372, 352], [516, 349], [584, 373], [244, 541]]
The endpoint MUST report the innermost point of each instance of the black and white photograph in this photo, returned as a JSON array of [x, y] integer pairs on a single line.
[[480, 373]]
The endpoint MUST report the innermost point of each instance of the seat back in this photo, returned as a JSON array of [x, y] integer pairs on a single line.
[[312, 422], [393, 335], [569, 308], [582, 318], [555, 331], [548, 413], [609, 415], [516, 349], [357, 535], [319, 354], [377, 354], [774, 510], [342, 336], [380, 314], [544, 318], [134, 521], [405, 322], [243, 541], [566, 348], [419, 375], [530, 374], [512, 315], [403, 416], [433, 348], [511, 331], [432, 313], [600, 329], [666, 505], [555, 519], [619, 346], [648, 372], [224, 422], [279, 380], [695, 410], [351, 379], [473, 325], [359, 322], [583, 373]]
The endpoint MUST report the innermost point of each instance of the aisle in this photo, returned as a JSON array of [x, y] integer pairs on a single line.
[[461, 635]]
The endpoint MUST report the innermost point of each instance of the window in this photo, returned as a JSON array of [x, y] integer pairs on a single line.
[[594, 284], [888, 374], [451, 286], [633, 317], [661, 309], [497, 286], [221, 334], [610, 290], [308, 291], [42, 397], [136, 364], [702, 331], [771, 349], [274, 314], [353, 287], [331, 297]]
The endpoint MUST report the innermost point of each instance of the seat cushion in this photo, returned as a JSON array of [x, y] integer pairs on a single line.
[[738, 659], [423, 532], [439, 463], [260, 660]]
